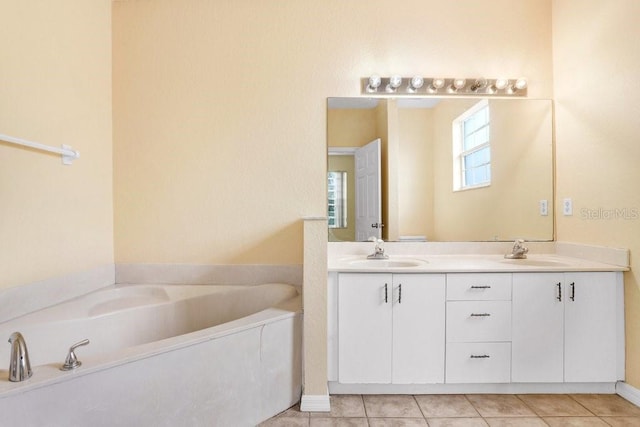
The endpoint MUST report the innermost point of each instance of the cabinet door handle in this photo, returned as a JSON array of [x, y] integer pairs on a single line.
[[480, 356], [480, 287], [559, 297], [386, 299], [480, 314], [400, 293], [573, 291]]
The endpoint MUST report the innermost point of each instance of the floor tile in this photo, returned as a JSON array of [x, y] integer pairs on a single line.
[[516, 422], [394, 405], [574, 422], [500, 405], [456, 422], [338, 422], [397, 422], [622, 421], [446, 406], [607, 405], [554, 405], [343, 405], [286, 422]]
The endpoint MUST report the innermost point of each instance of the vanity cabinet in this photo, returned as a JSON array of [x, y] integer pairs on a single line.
[[391, 328], [478, 328], [564, 327]]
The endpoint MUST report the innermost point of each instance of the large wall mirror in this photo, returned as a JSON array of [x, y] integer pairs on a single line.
[[450, 169]]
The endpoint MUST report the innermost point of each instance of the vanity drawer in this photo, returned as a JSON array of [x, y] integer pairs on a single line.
[[478, 321], [478, 286], [478, 363]]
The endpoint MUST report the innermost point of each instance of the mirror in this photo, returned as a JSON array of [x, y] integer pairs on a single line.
[[423, 167]]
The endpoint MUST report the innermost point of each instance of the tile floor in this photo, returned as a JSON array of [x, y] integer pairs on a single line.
[[526, 410]]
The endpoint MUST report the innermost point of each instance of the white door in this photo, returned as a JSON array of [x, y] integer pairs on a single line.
[[538, 327], [418, 328], [590, 327], [364, 328], [368, 199]]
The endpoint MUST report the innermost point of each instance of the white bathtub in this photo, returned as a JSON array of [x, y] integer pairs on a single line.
[[159, 355]]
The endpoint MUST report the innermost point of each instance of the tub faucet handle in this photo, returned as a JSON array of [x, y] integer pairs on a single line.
[[72, 362]]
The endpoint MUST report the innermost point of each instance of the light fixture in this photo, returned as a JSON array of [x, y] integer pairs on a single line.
[[397, 85], [436, 84], [374, 83], [394, 83], [415, 84]]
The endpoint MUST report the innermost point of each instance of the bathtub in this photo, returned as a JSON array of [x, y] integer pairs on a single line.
[[174, 355]]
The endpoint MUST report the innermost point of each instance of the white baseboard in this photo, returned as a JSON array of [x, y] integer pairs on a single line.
[[315, 403], [629, 392]]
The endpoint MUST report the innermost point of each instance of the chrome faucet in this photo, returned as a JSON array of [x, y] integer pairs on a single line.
[[19, 366], [519, 251], [378, 252]]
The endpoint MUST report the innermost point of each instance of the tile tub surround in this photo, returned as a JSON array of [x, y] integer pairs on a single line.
[[467, 410]]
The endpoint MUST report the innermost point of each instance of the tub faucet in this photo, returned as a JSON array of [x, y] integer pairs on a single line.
[[519, 251], [19, 366], [378, 252]]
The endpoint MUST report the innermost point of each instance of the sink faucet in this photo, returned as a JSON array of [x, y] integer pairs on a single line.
[[19, 366], [519, 251], [378, 252]]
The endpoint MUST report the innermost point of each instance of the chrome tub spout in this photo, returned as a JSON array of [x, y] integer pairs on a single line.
[[19, 366]]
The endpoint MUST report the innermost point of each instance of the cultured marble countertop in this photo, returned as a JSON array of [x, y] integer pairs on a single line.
[[466, 264]]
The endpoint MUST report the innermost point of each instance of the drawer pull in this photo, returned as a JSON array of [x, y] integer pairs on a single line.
[[559, 297], [480, 356], [480, 287], [480, 314], [400, 294], [386, 296]]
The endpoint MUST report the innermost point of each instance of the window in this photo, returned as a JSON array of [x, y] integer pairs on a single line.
[[337, 199], [471, 148]]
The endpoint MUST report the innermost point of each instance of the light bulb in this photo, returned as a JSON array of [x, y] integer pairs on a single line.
[[394, 83], [480, 83], [415, 84], [374, 83], [456, 85], [436, 83], [501, 83], [519, 84]]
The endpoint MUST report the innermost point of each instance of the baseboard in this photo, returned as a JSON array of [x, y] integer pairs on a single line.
[[315, 403], [629, 392]]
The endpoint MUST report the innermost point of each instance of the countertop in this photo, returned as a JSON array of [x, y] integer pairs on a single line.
[[481, 263]]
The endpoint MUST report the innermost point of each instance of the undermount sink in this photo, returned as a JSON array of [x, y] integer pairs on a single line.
[[535, 262], [387, 263]]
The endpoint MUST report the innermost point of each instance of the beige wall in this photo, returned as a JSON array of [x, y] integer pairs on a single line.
[[521, 175], [220, 112], [596, 62], [56, 89], [415, 174]]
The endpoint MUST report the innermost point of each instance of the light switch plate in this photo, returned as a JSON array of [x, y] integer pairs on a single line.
[[544, 207]]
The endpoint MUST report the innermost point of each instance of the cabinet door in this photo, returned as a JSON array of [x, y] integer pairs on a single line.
[[418, 328], [364, 328], [590, 327], [538, 327]]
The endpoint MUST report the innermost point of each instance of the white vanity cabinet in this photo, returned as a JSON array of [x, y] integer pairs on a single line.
[[565, 327], [391, 328], [478, 328]]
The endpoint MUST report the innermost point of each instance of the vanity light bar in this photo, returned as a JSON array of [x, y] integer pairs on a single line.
[[398, 86]]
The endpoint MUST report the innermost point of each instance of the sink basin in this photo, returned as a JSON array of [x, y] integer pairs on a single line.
[[387, 263], [535, 262]]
